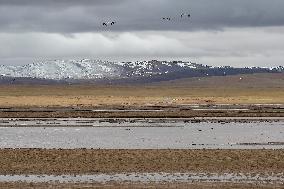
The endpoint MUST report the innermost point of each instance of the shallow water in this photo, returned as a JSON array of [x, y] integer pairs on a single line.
[[120, 122], [150, 177], [158, 134]]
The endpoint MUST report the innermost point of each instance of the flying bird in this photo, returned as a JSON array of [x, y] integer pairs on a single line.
[[109, 23], [183, 14], [167, 18]]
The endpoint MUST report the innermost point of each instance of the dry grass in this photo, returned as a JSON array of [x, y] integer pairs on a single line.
[[12, 96], [252, 89]]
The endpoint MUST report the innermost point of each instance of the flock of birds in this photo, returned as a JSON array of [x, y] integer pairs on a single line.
[[182, 16], [108, 23]]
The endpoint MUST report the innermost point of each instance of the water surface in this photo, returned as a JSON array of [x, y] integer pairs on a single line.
[[171, 134]]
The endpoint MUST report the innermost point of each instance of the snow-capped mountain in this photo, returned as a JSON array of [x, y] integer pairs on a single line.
[[91, 69], [97, 70]]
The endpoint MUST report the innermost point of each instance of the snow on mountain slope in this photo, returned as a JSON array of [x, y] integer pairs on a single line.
[[90, 69], [64, 69], [100, 70]]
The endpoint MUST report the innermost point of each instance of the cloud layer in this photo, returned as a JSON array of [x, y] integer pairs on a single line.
[[71, 16], [234, 46], [219, 32]]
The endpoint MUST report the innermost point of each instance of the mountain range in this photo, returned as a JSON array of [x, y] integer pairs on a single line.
[[98, 71]]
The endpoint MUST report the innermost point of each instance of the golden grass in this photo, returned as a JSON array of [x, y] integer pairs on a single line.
[[13, 96], [251, 89]]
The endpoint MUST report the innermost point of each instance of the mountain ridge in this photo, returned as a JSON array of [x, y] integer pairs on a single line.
[[86, 70]]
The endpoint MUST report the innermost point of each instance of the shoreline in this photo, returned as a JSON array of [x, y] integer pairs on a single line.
[[153, 111]]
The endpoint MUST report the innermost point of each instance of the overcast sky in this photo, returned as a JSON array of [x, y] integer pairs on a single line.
[[219, 32]]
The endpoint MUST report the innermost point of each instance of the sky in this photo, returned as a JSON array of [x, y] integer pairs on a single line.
[[219, 32]]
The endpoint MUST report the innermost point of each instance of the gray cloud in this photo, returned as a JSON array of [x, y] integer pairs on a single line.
[[235, 46], [220, 32], [73, 16], [56, 3]]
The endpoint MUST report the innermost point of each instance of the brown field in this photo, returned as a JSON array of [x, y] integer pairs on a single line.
[[251, 89], [94, 161], [88, 161], [83, 161]]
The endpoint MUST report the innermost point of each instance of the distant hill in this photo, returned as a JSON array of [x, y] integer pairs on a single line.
[[256, 80], [105, 72]]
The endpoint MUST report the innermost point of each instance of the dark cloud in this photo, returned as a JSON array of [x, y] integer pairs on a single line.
[[222, 32], [73, 16], [58, 2]]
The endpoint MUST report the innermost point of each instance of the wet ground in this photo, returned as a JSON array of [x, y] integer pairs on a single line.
[[150, 177], [155, 168], [150, 111], [129, 122], [73, 146]]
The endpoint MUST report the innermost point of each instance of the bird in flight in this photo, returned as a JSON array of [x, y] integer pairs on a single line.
[[109, 23], [183, 14], [167, 18], [176, 18]]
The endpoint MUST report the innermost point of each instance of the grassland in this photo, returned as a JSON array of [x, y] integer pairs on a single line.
[[251, 89]]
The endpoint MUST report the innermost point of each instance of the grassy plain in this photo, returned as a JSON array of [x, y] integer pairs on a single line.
[[240, 89]]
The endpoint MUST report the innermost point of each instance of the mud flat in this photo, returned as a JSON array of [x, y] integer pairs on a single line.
[[95, 161], [77, 168], [132, 122], [146, 111], [150, 178], [174, 185]]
